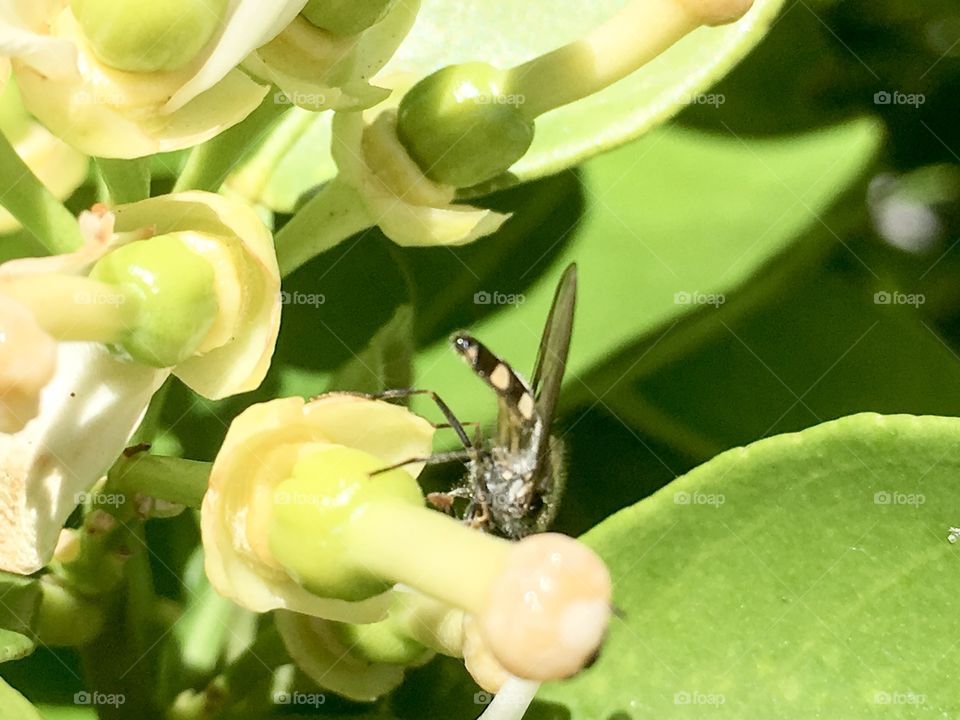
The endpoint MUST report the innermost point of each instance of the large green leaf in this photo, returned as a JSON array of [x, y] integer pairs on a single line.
[[823, 350], [507, 32], [677, 215], [807, 575]]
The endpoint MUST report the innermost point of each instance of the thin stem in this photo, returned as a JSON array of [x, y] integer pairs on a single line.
[[29, 201], [631, 38], [439, 556], [72, 307], [252, 178], [65, 618], [127, 181], [327, 219], [175, 480], [209, 164]]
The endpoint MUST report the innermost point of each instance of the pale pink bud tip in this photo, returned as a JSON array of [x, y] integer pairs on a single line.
[[717, 12], [548, 610]]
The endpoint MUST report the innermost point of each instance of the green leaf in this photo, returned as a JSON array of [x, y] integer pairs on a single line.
[[14, 706], [677, 214], [505, 33], [825, 349], [385, 363], [806, 575]]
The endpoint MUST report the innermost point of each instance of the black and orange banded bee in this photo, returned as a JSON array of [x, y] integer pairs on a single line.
[[514, 480]]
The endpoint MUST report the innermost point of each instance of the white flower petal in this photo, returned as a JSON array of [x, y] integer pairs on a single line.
[[249, 24], [87, 414]]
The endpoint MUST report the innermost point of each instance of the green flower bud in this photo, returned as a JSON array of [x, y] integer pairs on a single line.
[[151, 36], [462, 126], [346, 17], [383, 642], [314, 509], [176, 297]]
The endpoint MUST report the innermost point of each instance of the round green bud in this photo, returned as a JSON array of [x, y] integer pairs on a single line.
[[176, 300], [462, 126], [313, 532], [382, 642], [346, 17], [148, 35]]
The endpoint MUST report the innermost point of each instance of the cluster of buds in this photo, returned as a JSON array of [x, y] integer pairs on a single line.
[[297, 518]]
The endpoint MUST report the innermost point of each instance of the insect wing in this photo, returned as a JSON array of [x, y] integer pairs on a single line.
[[554, 349]]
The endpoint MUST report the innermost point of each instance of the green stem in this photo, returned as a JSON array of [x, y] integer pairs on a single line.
[[127, 181], [65, 618], [633, 37], [209, 164], [327, 219], [29, 201], [175, 480], [252, 178]]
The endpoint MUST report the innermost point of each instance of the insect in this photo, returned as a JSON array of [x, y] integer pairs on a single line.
[[513, 481]]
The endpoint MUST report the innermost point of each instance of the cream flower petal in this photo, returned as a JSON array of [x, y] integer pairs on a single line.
[[21, 36], [241, 363], [327, 660], [260, 449], [111, 113], [249, 24], [87, 414], [28, 358], [409, 208]]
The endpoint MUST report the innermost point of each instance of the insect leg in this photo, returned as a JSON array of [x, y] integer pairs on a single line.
[[452, 420], [465, 454]]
